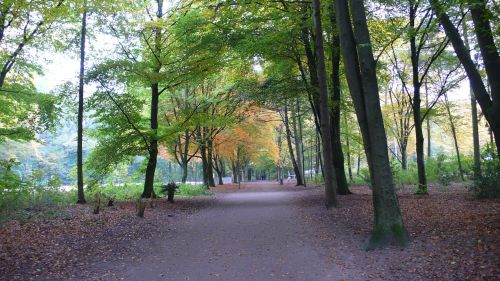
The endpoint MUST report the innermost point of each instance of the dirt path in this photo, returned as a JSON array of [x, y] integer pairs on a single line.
[[256, 235], [262, 231]]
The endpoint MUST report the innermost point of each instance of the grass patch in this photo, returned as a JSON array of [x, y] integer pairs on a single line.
[[192, 190]]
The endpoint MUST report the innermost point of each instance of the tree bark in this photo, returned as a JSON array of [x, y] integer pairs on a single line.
[[338, 155], [428, 120], [475, 122], [288, 134], [210, 168], [362, 80], [454, 135], [348, 152], [155, 95], [79, 153], [184, 168], [326, 127], [419, 136], [297, 134], [279, 167], [153, 145]]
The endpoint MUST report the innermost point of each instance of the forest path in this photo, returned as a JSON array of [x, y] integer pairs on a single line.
[[257, 234]]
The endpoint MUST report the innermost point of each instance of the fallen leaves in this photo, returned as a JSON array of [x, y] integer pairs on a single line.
[[72, 246], [453, 236]]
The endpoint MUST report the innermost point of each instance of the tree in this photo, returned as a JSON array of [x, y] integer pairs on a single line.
[[451, 118], [79, 165], [326, 129], [490, 106], [25, 26], [361, 77], [157, 51], [288, 135]]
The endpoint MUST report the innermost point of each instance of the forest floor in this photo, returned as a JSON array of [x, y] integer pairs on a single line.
[[262, 231]]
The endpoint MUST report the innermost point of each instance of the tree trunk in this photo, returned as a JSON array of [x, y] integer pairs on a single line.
[[219, 176], [317, 163], [210, 168], [326, 127], [422, 179], [234, 169], [203, 154], [79, 153], [404, 158], [249, 174], [155, 94], [153, 145], [359, 164], [218, 166], [184, 168], [290, 147], [362, 80], [489, 106], [348, 152], [428, 120], [300, 143], [338, 154], [297, 130], [475, 125], [279, 168], [454, 135]]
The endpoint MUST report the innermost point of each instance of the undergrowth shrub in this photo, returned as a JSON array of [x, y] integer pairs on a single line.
[[35, 192], [192, 190], [442, 169], [487, 184]]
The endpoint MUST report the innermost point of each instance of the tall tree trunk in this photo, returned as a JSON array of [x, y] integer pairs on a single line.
[[404, 158], [203, 155], [326, 127], [428, 120], [348, 152], [234, 169], [362, 80], [155, 95], [454, 135], [358, 164], [475, 125], [79, 153], [489, 106], [280, 154], [419, 136], [153, 145], [297, 130], [249, 174], [210, 168], [301, 143], [288, 133], [338, 154], [184, 168], [218, 166], [318, 166]]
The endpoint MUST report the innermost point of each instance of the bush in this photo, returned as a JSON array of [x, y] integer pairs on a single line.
[[401, 176], [442, 169], [33, 193], [193, 189], [170, 190], [487, 184], [121, 192]]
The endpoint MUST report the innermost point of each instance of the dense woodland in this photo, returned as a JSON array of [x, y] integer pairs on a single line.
[[341, 92]]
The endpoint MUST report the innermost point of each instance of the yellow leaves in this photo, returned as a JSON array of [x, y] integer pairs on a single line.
[[254, 136]]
